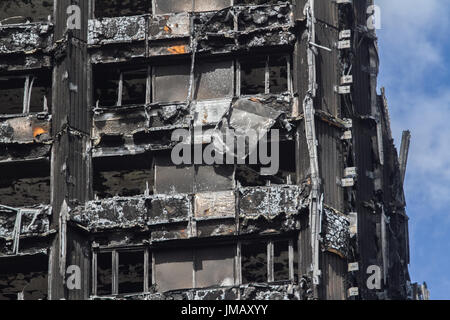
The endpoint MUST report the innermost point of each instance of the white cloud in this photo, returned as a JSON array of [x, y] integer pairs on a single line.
[[412, 35], [412, 48]]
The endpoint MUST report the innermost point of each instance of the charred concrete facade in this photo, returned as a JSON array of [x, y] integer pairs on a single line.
[[91, 206]]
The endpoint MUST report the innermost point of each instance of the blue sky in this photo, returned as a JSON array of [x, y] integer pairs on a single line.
[[415, 58]]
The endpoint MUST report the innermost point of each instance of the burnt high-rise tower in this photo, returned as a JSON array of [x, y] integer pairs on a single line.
[[92, 204]]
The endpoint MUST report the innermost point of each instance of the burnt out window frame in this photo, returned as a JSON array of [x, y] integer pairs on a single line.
[[270, 245], [29, 80], [119, 90], [115, 252], [267, 57]]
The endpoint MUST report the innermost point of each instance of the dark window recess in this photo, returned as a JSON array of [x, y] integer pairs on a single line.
[[123, 176], [190, 179], [131, 272], [41, 93], [134, 87], [214, 267], [106, 86], [111, 141], [281, 260], [214, 80], [104, 273], [171, 83], [21, 11], [27, 275], [121, 8], [253, 75], [11, 95], [254, 263], [278, 75], [174, 270], [25, 184]]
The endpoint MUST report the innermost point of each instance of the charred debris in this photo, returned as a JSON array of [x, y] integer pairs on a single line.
[[87, 185]]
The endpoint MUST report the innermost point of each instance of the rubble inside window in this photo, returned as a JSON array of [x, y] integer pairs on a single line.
[[121, 8], [24, 277], [25, 11]]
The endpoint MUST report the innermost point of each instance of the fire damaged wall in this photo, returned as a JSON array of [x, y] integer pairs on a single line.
[[87, 124]]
